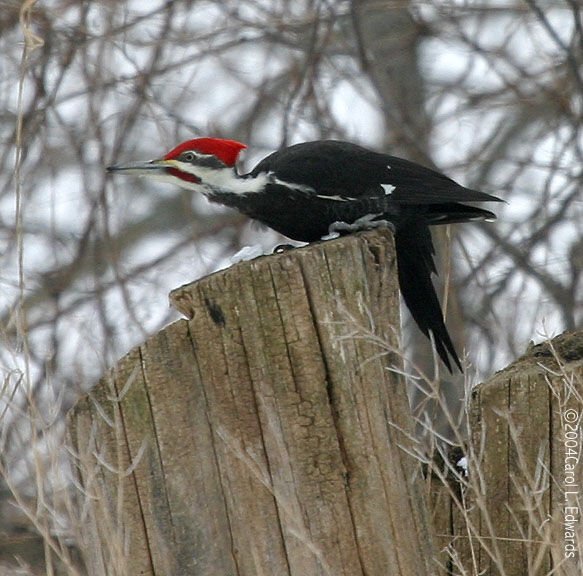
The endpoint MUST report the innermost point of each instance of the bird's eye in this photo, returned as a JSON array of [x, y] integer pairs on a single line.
[[188, 156]]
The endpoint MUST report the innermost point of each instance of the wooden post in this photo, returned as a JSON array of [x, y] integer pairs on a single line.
[[266, 435], [518, 512]]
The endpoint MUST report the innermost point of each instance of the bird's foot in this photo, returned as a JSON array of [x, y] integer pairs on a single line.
[[283, 248], [367, 222]]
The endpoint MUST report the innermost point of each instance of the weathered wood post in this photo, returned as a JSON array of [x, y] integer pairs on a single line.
[[267, 435], [519, 510]]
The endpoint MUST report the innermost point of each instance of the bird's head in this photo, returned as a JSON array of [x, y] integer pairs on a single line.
[[193, 164]]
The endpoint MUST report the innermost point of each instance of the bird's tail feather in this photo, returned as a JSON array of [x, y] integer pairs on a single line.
[[452, 212], [415, 263]]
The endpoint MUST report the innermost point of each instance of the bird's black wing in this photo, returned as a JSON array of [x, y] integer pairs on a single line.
[[342, 169], [329, 168], [357, 182]]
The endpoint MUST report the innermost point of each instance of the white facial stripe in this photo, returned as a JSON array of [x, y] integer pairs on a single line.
[[222, 179], [388, 188]]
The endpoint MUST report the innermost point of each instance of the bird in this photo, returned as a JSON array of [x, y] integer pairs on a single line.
[[321, 189]]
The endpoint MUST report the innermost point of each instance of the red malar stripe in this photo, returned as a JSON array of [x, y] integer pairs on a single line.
[[183, 175]]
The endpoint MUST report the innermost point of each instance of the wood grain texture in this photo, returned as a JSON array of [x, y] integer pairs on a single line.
[[267, 434], [515, 496]]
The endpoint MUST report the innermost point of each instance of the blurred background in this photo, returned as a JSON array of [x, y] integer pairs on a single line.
[[489, 92]]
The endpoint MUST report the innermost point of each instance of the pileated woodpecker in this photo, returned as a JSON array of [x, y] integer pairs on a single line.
[[314, 189]]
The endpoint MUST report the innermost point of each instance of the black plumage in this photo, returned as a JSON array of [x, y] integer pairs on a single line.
[[315, 184], [310, 190]]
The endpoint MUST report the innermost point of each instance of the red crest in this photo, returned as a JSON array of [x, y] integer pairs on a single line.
[[225, 150]]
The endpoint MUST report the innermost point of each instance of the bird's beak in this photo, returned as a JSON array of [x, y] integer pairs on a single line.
[[150, 168]]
